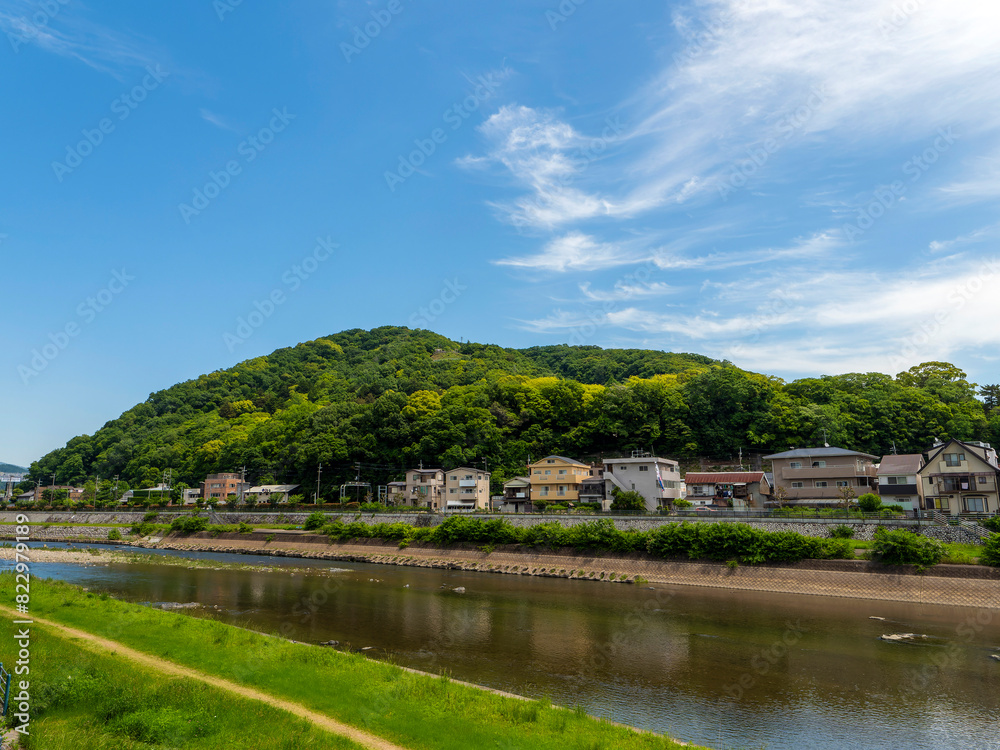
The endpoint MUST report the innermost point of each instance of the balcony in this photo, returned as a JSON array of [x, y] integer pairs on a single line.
[[467, 483], [827, 472]]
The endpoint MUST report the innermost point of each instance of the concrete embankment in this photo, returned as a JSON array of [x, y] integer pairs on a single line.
[[958, 585]]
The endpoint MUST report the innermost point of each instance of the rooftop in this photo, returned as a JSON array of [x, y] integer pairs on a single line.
[[905, 463], [723, 477], [819, 453]]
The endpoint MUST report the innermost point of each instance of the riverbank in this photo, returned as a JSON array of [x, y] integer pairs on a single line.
[[406, 708], [957, 585]]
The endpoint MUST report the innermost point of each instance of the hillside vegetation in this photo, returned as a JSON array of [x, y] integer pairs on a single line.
[[392, 397]]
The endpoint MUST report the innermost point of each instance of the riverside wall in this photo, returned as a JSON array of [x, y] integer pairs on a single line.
[[863, 530]]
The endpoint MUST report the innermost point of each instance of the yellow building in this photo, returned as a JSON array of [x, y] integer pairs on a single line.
[[557, 479]]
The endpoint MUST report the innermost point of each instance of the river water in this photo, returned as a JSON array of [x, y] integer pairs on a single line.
[[727, 669]]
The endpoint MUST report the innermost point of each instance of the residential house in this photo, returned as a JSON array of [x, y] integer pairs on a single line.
[[728, 489], [467, 489], [557, 479], [657, 479], [961, 477], [221, 486], [190, 496], [269, 493], [396, 493], [425, 488], [817, 476], [516, 496], [899, 481]]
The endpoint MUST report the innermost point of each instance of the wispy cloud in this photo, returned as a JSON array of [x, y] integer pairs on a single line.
[[216, 120], [575, 252]]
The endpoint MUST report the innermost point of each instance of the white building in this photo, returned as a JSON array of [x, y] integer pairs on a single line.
[[658, 480]]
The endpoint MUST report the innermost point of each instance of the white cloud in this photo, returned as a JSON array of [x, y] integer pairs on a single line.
[[216, 120], [574, 252], [625, 289]]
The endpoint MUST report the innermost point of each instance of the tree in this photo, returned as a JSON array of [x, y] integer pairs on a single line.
[[780, 496], [846, 495], [627, 500], [869, 502], [991, 398]]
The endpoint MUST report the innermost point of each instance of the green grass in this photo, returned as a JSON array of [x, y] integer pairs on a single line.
[[954, 553], [416, 711], [86, 699]]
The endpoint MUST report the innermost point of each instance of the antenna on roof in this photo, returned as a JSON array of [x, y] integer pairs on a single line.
[[894, 447], [825, 444]]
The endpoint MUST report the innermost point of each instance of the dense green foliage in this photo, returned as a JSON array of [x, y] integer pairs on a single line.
[[843, 531], [869, 503], [703, 541], [991, 551], [906, 548], [993, 524], [189, 524], [11, 469], [392, 397]]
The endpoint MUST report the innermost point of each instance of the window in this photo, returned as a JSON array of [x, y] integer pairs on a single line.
[[643, 468], [550, 461], [975, 504], [843, 483], [451, 491], [562, 471], [454, 477], [955, 484], [938, 503], [797, 485], [819, 464], [623, 468], [953, 459], [795, 465], [982, 480], [538, 471], [821, 484], [548, 471]]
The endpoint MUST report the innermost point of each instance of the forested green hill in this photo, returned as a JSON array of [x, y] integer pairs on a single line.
[[11, 468], [392, 397]]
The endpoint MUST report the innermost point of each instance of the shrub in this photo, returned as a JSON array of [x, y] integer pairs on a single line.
[[151, 516], [315, 520], [189, 524], [244, 528], [681, 503], [991, 551], [843, 531], [869, 503], [993, 524], [142, 529], [906, 548], [114, 535]]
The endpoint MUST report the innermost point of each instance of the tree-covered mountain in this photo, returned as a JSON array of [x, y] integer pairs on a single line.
[[11, 468], [393, 397]]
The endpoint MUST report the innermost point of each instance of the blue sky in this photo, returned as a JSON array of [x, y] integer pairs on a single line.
[[801, 187]]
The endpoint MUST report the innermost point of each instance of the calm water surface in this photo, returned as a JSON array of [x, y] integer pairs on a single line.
[[727, 669]]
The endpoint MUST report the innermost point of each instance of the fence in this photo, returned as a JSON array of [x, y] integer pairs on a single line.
[[5, 686]]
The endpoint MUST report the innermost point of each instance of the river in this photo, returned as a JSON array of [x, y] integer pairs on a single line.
[[728, 669]]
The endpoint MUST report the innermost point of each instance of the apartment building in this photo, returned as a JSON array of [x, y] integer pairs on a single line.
[[961, 477], [425, 488], [557, 479], [816, 476], [221, 486], [467, 489], [728, 489], [516, 496], [657, 479], [899, 480]]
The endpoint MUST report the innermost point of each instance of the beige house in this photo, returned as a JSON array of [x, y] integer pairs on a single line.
[[817, 476], [425, 488], [557, 479], [961, 477], [467, 489], [899, 481]]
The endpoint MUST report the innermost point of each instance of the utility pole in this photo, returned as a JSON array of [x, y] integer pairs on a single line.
[[243, 481], [53, 489], [114, 492], [97, 488], [319, 471]]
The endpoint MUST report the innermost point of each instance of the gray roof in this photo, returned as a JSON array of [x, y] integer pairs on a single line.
[[269, 488], [819, 453], [561, 458], [905, 463]]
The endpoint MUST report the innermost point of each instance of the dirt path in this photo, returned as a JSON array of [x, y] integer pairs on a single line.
[[167, 667]]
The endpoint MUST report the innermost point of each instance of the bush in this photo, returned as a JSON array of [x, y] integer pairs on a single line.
[[993, 524], [151, 516], [869, 503], [189, 524], [142, 529], [244, 528], [315, 520], [114, 535], [991, 552], [843, 531], [906, 548], [681, 504]]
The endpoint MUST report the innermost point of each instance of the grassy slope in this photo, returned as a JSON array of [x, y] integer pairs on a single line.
[[82, 699], [417, 711]]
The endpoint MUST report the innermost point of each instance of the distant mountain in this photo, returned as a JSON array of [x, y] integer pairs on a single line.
[[393, 398], [12, 469]]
